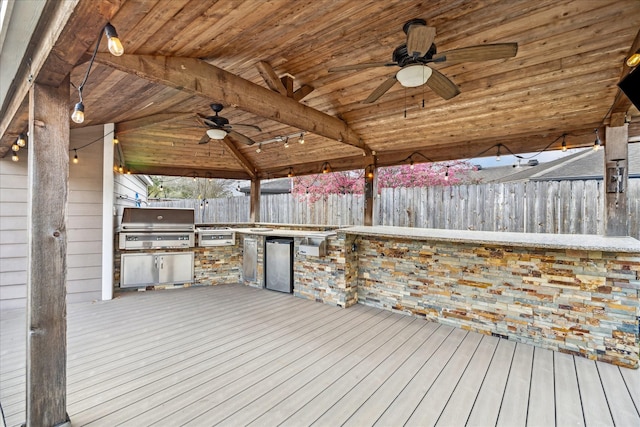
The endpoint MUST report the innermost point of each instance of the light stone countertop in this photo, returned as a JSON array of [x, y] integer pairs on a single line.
[[585, 242], [283, 232]]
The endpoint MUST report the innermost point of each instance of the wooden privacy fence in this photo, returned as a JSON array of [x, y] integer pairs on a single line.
[[573, 207]]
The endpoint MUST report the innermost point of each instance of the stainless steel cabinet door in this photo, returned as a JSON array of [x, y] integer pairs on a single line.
[[175, 267], [137, 270]]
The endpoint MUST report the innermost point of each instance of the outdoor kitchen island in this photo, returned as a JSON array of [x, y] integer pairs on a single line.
[[576, 294]]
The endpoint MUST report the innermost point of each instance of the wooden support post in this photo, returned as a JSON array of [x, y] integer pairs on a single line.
[[47, 255], [254, 209], [616, 177], [370, 184]]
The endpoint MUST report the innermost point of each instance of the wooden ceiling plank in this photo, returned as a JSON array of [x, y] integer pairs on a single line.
[[270, 77], [198, 77], [156, 119]]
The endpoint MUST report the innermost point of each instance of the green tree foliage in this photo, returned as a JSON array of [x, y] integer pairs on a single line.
[[165, 187]]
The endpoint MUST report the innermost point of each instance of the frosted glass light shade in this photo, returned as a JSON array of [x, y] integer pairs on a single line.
[[414, 75], [216, 133]]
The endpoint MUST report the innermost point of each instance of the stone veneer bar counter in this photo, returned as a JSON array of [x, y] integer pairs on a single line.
[[576, 294]]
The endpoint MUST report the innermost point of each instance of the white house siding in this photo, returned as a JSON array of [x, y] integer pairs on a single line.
[[13, 232], [84, 224], [125, 188]]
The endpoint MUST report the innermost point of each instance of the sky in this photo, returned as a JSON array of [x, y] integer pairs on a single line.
[[506, 160]]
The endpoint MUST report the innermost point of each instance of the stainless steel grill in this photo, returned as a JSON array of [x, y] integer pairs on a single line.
[[156, 228], [216, 236]]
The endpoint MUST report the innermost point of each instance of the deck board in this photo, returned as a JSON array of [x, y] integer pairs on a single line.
[[235, 355]]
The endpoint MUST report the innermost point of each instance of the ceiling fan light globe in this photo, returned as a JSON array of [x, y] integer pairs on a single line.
[[216, 133], [413, 75]]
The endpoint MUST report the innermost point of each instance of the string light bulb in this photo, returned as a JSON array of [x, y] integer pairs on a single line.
[[564, 143], [15, 146], [115, 139], [75, 156], [446, 174], [412, 164], [22, 140], [290, 173], [498, 154], [596, 143], [14, 156], [325, 167], [120, 169], [370, 172], [114, 43], [78, 113], [634, 59], [286, 143], [259, 149], [301, 139]]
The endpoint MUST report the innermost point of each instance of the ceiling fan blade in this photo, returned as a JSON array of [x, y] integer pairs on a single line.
[[478, 53], [243, 126], [419, 39], [442, 86], [241, 138], [362, 66], [205, 139], [381, 90]]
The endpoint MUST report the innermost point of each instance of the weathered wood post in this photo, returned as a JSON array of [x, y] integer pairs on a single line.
[[48, 169], [616, 177], [254, 208]]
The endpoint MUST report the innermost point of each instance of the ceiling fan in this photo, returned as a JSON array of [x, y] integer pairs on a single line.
[[219, 127], [419, 50]]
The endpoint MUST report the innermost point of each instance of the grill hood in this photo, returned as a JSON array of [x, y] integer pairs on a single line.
[[157, 219]]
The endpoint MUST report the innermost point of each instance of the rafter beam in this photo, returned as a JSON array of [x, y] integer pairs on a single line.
[[303, 91], [202, 79], [244, 162], [137, 124], [270, 77]]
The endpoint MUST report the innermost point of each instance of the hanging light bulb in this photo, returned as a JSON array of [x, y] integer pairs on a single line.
[[22, 140], [446, 174], [498, 153], [286, 143], [115, 139], [15, 146], [161, 187], [325, 167], [412, 165], [115, 168], [195, 177], [115, 45], [634, 59], [206, 202], [564, 143], [370, 172], [120, 169], [75, 156], [259, 149], [290, 174], [78, 113], [15, 157], [301, 139], [596, 143], [128, 171]]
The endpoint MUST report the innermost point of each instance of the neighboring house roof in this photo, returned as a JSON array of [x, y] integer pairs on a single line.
[[274, 186], [585, 164]]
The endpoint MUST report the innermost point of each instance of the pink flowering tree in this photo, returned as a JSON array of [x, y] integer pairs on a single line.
[[314, 187]]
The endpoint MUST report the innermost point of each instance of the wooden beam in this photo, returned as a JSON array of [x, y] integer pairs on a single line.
[[616, 206], [48, 170], [66, 30], [303, 91], [141, 123], [254, 204], [143, 169], [287, 82], [271, 78], [244, 162], [200, 78]]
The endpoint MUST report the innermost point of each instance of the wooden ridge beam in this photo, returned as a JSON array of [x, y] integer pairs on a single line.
[[144, 169], [200, 78], [66, 30]]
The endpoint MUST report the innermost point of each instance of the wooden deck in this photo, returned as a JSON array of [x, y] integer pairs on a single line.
[[234, 355]]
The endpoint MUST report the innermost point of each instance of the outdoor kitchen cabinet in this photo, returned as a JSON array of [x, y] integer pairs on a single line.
[[148, 269]]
